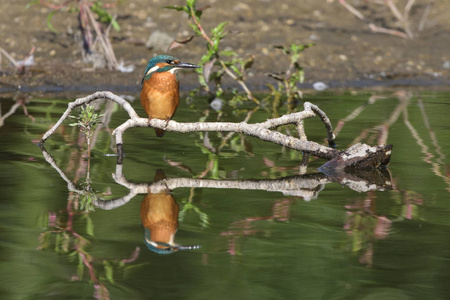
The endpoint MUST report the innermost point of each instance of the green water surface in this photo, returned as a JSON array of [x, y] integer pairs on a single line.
[[254, 244]]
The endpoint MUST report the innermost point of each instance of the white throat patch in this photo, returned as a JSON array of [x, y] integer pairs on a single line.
[[152, 70], [172, 71]]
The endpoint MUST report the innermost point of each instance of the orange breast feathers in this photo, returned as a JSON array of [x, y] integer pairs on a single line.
[[160, 95], [159, 213]]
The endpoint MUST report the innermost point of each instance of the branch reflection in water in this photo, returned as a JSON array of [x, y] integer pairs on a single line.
[[159, 210]]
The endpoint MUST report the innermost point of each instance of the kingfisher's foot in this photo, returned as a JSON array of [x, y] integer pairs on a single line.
[[149, 119], [167, 122], [167, 190]]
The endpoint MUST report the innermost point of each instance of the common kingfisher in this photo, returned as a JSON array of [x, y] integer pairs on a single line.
[[159, 216], [160, 88]]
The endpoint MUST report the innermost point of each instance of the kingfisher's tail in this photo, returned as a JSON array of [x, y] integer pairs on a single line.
[[159, 175], [159, 132]]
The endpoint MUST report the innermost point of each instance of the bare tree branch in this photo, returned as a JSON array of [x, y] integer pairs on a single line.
[[86, 100], [260, 130], [307, 186], [403, 19], [9, 113]]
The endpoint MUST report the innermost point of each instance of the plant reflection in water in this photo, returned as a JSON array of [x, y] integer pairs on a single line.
[[160, 212]]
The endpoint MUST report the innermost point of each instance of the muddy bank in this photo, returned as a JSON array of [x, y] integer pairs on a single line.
[[346, 52]]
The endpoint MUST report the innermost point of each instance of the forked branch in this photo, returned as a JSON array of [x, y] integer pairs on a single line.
[[370, 155]]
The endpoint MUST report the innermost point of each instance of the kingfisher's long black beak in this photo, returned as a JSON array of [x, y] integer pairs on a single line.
[[186, 65], [192, 247]]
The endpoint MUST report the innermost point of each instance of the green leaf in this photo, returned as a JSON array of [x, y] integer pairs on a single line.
[[216, 45], [198, 14], [195, 29], [215, 167], [221, 26], [201, 80], [104, 16], [115, 25], [191, 3], [109, 271], [65, 243], [89, 226], [31, 3], [236, 70], [206, 58], [248, 63], [285, 50], [80, 268], [228, 53], [57, 242], [49, 21], [178, 8], [218, 31], [203, 148], [204, 219]]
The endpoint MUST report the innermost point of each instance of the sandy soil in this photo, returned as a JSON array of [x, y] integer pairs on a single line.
[[346, 51]]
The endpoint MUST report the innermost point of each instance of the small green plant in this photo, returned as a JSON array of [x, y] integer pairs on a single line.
[[216, 63], [87, 200], [96, 7], [189, 205], [288, 80], [234, 67], [86, 121]]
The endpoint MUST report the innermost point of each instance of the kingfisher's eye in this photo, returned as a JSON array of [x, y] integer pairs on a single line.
[[170, 62]]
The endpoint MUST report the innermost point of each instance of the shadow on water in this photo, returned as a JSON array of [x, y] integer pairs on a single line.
[[251, 221]]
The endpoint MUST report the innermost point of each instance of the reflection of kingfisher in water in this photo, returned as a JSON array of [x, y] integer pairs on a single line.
[[159, 216]]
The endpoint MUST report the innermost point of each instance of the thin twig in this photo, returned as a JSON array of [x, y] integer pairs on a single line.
[[325, 120], [240, 81], [9, 57], [394, 10], [229, 135], [427, 155], [407, 9], [353, 10], [382, 130], [54, 6], [376, 28], [11, 111], [104, 41], [354, 114], [424, 18], [431, 132], [403, 19]]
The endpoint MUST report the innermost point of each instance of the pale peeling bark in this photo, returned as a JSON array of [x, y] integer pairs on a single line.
[[306, 186], [360, 155], [86, 100]]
